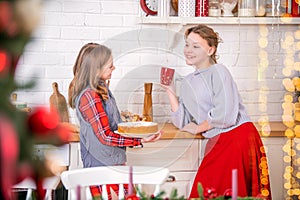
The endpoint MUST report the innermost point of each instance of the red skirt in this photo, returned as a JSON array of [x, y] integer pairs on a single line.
[[241, 149]]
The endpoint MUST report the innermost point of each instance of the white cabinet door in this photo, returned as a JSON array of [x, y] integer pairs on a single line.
[[275, 154], [75, 157], [177, 155]]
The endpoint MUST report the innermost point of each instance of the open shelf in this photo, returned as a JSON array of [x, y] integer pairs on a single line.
[[218, 20]]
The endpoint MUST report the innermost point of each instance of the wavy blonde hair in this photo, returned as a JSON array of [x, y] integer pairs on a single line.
[[88, 74], [86, 49]]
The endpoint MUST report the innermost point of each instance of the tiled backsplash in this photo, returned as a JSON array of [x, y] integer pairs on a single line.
[[255, 54]]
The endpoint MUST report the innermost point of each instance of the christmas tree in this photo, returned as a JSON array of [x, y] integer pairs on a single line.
[[19, 130]]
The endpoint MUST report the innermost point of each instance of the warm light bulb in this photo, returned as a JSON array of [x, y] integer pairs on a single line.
[[263, 30], [286, 72], [263, 54], [288, 98], [297, 34], [297, 66], [263, 42]]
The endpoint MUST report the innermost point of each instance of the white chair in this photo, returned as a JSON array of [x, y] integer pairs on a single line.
[[83, 178], [28, 184]]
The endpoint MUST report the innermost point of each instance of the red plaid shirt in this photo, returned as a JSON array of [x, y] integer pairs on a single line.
[[93, 112]]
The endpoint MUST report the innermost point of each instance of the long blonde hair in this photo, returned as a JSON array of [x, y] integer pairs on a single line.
[[88, 74], [86, 49]]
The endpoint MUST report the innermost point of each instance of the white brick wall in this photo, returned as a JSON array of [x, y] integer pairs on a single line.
[[139, 53]]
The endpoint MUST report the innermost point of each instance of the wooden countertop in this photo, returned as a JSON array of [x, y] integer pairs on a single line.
[[277, 129]]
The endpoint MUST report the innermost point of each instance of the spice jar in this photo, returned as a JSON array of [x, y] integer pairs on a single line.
[[260, 8], [246, 8], [214, 9]]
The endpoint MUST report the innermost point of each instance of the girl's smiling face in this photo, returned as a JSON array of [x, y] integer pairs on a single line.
[[197, 52]]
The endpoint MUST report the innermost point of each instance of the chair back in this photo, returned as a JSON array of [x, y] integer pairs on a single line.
[[83, 178], [28, 184]]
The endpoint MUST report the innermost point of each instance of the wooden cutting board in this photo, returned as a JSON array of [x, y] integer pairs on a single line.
[[59, 103]]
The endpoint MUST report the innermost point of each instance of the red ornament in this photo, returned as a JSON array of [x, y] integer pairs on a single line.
[[63, 133], [228, 194], [210, 192], [41, 121], [4, 63], [132, 197]]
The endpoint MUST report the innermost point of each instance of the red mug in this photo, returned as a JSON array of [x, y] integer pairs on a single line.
[[166, 75]]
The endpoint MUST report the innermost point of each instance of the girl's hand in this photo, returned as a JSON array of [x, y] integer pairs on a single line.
[[169, 88], [195, 129], [152, 138]]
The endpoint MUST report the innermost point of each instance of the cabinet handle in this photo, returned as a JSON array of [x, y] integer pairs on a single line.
[[171, 178]]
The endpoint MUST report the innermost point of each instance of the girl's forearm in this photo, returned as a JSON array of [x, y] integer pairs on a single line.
[[173, 100]]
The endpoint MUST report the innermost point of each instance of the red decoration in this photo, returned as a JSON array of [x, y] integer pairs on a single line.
[[4, 60], [132, 197], [228, 194], [210, 193], [9, 152], [295, 8], [41, 121], [201, 8], [145, 6]]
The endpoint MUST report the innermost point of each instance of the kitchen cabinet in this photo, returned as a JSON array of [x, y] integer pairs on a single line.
[[179, 155], [182, 153]]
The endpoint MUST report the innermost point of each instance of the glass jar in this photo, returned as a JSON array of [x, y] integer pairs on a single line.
[[275, 8], [260, 8], [227, 6], [214, 9], [246, 8]]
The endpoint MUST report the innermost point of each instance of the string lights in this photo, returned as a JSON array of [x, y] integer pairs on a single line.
[[291, 113]]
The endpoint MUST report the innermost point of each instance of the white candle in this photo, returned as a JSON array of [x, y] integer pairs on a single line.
[[234, 184]]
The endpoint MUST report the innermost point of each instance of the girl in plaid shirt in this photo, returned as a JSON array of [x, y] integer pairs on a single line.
[[99, 115]]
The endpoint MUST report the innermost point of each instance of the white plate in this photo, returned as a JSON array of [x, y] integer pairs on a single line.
[[136, 135]]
